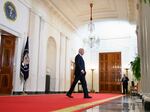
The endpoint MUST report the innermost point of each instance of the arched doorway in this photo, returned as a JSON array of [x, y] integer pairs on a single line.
[[51, 64]]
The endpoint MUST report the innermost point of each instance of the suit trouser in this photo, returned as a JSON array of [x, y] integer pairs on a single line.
[[125, 88], [80, 77]]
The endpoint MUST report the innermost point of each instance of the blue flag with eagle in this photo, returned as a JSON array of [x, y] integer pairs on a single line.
[[25, 62]]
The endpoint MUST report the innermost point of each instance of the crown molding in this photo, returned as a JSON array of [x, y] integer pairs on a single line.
[[59, 13]]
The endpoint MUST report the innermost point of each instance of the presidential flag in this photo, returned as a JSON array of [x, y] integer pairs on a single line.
[[25, 62]]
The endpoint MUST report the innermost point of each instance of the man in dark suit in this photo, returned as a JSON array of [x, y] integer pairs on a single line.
[[125, 80], [79, 75]]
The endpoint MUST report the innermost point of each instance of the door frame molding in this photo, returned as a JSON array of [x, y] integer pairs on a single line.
[[17, 55]]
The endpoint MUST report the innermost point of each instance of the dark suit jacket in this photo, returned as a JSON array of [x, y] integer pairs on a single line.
[[79, 65], [125, 80]]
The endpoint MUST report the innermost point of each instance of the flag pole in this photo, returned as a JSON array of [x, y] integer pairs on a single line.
[[25, 64], [24, 87], [28, 33]]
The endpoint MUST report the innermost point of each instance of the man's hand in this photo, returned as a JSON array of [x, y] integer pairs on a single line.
[[82, 71]]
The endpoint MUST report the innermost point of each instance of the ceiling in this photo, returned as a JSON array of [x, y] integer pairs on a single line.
[[78, 11]]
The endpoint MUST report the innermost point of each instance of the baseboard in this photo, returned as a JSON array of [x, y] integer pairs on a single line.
[[38, 92], [27, 92], [43, 92]]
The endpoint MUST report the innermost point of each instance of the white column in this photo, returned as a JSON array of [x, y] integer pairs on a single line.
[[33, 51], [144, 47], [0, 36], [62, 70]]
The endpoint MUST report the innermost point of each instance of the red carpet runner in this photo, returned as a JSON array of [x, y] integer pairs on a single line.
[[47, 103]]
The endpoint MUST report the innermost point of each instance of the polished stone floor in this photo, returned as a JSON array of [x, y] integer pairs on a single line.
[[123, 104]]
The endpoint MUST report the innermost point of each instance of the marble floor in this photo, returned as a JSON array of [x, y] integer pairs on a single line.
[[123, 104]]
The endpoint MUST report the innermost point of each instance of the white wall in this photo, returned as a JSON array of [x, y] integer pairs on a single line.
[[19, 28], [51, 62], [115, 36], [20, 25], [44, 22]]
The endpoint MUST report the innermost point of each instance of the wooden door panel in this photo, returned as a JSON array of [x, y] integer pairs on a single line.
[[110, 69], [6, 57], [4, 83], [7, 47]]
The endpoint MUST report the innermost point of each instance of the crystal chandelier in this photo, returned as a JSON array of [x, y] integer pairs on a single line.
[[92, 40]]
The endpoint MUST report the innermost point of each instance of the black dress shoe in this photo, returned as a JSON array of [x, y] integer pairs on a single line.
[[87, 97], [69, 95]]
